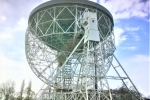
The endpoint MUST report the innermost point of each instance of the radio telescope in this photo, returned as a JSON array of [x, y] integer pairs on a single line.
[[70, 46]]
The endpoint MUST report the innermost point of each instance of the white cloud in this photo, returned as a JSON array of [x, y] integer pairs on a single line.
[[133, 32], [148, 20], [11, 34], [130, 48], [2, 18], [21, 25], [5, 8], [119, 37], [5, 35], [139, 59], [132, 28], [127, 8], [136, 37]]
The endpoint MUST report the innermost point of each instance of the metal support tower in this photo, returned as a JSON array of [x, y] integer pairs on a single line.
[[70, 47]]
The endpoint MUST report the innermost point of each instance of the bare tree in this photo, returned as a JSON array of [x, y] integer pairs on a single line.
[[7, 89], [20, 97], [22, 89], [29, 92]]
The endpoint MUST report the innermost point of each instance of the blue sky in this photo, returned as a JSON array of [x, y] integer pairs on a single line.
[[131, 18]]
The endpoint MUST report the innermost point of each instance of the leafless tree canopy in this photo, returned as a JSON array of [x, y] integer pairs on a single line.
[[7, 89]]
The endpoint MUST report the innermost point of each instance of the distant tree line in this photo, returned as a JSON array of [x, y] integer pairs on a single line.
[[122, 93], [7, 91]]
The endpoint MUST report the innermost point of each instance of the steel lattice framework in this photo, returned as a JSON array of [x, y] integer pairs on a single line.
[[57, 54]]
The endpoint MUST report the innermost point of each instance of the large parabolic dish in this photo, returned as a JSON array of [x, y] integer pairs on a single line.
[[54, 29], [70, 47]]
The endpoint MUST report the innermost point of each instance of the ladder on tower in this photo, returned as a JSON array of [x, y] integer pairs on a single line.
[[67, 72]]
